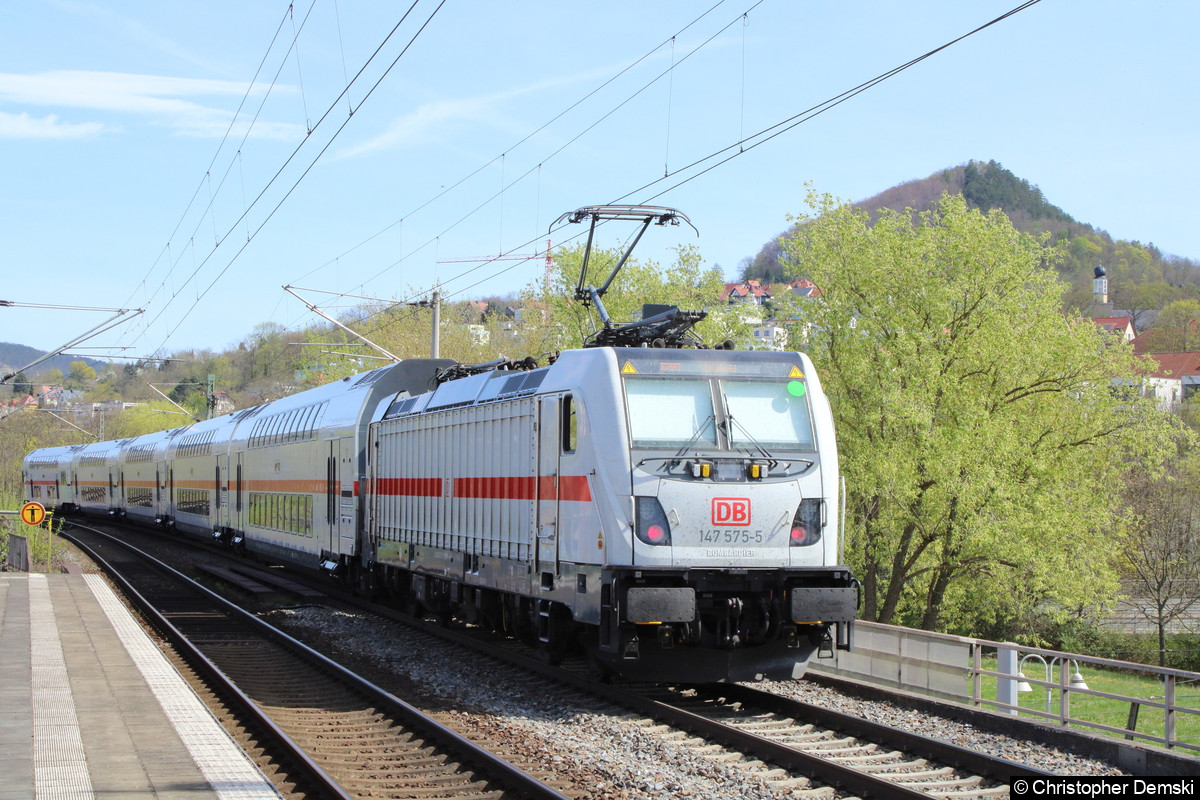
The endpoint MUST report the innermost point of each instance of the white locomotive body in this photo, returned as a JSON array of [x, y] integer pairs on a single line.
[[679, 506]]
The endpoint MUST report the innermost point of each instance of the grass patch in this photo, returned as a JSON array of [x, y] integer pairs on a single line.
[[46, 549]]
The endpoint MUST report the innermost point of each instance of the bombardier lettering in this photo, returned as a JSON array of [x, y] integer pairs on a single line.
[[724, 552]]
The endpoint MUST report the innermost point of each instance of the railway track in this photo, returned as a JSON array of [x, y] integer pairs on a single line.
[[342, 736], [790, 748], [804, 747]]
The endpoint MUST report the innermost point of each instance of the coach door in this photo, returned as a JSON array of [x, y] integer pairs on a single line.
[[333, 489], [239, 495], [546, 489], [347, 509]]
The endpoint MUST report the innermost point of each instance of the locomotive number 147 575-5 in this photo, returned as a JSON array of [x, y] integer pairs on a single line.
[[732, 536]]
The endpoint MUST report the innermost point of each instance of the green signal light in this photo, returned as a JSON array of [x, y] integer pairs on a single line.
[[796, 388]]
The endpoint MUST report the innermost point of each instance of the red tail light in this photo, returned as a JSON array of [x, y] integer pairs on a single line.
[[807, 524], [651, 524]]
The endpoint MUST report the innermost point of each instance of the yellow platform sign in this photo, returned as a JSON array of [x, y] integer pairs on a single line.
[[33, 513]]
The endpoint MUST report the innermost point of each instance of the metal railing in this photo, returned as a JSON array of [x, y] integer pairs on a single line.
[[1070, 682], [952, 668]]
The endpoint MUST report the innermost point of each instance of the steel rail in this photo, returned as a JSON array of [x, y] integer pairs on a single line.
[[813, 766], [485, 761], [209, 671], [928, 747]]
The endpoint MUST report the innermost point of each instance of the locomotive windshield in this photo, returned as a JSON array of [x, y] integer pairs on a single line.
[[718, 413], [771, 413], [671, 413]]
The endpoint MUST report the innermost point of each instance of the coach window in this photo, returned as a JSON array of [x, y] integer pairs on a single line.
[[570, 424]]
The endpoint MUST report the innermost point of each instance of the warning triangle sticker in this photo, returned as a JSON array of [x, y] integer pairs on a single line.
[[628, 369], [796, 373]]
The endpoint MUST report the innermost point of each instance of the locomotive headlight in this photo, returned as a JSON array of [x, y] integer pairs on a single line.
[[806, 525], [700, 469], [756, 472], [650, 524]]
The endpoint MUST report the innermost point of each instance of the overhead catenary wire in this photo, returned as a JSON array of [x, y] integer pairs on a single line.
[[771, 132], [508, 150], [307, 169], [499, 193], [560, 149], [747, 143], [744, 143], [247, 207], [275, 177], [220, 145]]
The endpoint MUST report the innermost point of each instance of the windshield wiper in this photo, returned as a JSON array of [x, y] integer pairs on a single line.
[[700, 429], [761, 449], [750, 437]]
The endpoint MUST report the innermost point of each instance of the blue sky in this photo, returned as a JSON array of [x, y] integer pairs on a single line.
[[131, 179]]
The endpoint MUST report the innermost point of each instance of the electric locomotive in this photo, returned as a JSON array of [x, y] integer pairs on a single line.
[[674, 509]]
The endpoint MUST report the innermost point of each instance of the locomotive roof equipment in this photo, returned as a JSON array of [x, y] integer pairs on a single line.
[[660, 325]]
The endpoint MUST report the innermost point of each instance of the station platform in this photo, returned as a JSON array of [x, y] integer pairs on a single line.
[[90, 708]]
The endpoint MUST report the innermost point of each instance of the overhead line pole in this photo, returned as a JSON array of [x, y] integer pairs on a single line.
[[111, 322], [434, 302], [313, 308]]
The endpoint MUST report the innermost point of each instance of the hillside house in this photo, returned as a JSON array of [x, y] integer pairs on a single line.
[[85, 413], [750, 292], [771, 335], [1120, 326], [1175, 380], [222, 403], [804, 288]]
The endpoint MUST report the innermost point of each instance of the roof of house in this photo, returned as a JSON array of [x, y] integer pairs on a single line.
[[1116, 325], [750, 288], [1175, 365], [804, 288]]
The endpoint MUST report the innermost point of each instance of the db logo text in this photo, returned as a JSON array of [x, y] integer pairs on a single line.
[[732, 511]]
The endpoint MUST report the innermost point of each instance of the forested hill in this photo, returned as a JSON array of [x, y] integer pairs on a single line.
[[1141, 277], [15, 356]]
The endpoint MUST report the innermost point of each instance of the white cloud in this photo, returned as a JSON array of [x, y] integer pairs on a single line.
[[118, 27], [432, 121], [153, 96], [23, 126]]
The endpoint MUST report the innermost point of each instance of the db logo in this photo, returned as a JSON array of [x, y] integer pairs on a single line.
[[733, 511]]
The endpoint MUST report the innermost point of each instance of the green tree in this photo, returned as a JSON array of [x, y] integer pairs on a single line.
[[143, 418], [79, 376], [978, 433], [1177, 329], [22, 432], [1162, 555], [21, 385]]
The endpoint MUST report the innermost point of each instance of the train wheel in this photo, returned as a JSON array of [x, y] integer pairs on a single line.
[[597, 671]]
